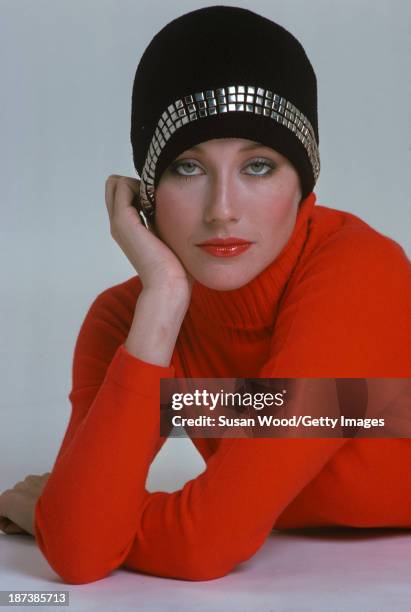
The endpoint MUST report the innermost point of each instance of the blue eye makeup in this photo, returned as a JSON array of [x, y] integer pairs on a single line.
[[260, 167]]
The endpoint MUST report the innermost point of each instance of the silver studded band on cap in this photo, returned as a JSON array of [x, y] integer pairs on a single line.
[[211, 102]]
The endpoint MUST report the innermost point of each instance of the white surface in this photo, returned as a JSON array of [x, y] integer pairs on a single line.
[[350, 570]]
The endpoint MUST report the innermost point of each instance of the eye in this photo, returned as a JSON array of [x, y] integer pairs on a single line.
[[260, 167], [185, 168]]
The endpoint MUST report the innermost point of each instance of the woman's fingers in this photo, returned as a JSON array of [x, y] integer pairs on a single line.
[[8, 527], [112, 196]]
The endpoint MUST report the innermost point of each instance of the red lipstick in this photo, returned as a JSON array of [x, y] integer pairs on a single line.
[[225, 247]]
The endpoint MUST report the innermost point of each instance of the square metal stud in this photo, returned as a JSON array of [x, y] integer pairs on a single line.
[[260, 92], [249, 108], [231, 89], [250, 99], [188, 99], [202, 113], [211, 102], [240, 97], [241, 89], [259, 100], [181, 112], [239, 107], [220, 91], [199, 96], [171, 108], [212, 111], [179, 104], [202, 104], [191, 108], [184, 120], [269, 94], [266, 112], [258, 110], [193, 116], [222, 108], [251, 90], [209, 93], [232, 98], [173, 116], [231, 107]]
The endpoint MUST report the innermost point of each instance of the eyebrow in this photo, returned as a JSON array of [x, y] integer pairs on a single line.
[[247, 147]]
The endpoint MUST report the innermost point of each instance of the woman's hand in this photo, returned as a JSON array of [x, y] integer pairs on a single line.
[[17, 504], [156, 264]]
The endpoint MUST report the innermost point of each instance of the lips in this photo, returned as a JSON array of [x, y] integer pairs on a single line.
[[225, 250]]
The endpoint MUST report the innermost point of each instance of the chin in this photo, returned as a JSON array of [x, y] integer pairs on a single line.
[[223, 282]]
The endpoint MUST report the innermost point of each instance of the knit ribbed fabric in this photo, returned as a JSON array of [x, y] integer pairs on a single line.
[[335, 303]]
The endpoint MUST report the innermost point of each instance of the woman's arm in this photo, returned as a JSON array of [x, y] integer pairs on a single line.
[[157, 320], [91, 499], [95, 514]]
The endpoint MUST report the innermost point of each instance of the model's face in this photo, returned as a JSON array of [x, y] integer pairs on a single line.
[[227, 187]]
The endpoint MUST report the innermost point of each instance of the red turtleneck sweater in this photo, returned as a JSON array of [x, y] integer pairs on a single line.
[[335, 303]]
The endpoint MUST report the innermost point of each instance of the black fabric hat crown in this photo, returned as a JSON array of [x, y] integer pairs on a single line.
[[217, 72]]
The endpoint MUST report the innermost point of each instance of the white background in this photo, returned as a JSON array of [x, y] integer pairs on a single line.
[[67, 70]]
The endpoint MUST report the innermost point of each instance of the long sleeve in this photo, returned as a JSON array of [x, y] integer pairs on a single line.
[[95, 515], [87, 512]]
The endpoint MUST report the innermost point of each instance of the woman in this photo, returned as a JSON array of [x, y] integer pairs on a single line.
[[225, 139]]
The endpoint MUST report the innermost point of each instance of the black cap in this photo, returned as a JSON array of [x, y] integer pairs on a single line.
[[223, 71]]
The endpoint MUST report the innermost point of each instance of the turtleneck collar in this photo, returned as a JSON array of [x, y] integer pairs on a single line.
[[253, 306]]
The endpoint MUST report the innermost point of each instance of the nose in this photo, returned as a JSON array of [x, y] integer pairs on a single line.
[[222, 205]]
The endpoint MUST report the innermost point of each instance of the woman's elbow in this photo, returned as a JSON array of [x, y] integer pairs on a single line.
[[216, 560], [71, 568], [70, 576]]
